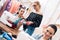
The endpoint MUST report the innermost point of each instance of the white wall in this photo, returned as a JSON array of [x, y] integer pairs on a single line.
[[49, 10]]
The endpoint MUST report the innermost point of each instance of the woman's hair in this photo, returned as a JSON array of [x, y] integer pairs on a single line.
[[54, 27], [37, 2], [21, 7]]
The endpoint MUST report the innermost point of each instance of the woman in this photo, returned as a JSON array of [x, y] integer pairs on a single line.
[[19, 17], [15, 24], [34, 19], [47, 33]]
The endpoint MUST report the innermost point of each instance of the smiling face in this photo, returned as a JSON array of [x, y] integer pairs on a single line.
[[48, 32], [21, 11]]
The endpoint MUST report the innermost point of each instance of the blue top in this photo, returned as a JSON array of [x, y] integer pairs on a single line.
[[16, 22]]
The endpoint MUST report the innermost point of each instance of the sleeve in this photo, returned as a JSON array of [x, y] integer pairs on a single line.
[[4, 18], [37, 21]]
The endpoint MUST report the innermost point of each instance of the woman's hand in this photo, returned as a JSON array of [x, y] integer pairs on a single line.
[[29, 22]]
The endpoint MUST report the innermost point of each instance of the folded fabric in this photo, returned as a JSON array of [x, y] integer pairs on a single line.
[[6, 36]]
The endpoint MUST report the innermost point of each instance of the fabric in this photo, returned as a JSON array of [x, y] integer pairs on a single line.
[[37, 36], [24, 36], [30, 30], [2, 3], [14, 24], [14, 7], [7, 16], [36, 19], [3, 7], [6, 36], [8, 5]]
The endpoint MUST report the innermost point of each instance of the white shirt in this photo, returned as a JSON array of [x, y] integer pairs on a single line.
[[7, 16]]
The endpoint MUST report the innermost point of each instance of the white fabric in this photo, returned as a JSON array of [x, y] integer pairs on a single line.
[[24, 36], [7, 16], [2, 3]]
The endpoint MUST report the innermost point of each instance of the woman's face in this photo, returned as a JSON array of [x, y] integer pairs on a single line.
[[36, 6], [21, 12], [48, 32]]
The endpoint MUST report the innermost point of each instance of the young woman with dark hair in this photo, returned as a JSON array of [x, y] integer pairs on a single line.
[[47, 33]]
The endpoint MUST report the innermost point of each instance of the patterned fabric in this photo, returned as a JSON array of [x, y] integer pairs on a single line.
[[37, 36], [5, 36], [8, 5], [36, 19]]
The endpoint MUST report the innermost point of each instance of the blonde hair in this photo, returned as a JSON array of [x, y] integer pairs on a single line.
[[37, 2]]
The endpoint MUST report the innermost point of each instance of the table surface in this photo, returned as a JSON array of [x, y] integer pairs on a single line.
[[7, 29]]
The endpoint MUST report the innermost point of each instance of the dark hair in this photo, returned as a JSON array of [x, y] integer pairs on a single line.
[[54, 27], [21, 7]]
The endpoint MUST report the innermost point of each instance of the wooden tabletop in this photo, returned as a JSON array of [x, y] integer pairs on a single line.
[[7, 29]]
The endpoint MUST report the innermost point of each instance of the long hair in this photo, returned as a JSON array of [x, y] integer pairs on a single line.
[[55, 29]]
